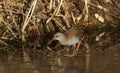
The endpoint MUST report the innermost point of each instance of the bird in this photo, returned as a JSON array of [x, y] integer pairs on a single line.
[[70, 37]]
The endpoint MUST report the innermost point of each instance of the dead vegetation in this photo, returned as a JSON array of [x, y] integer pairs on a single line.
[[28, 25]]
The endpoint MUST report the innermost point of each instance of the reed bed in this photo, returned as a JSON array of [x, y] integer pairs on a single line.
[[28, 25]]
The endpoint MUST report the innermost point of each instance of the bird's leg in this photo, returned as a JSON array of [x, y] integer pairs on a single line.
[[67, 49], [73, 53], [74, 50], [78, 46]]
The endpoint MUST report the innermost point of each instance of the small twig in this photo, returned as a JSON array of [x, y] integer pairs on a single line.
[[73, 18], [51, 50], [104, 9], [59, 24], [3, 43], [61, 50], [13, 19], [113, 1], [99, 6], [8, 27]]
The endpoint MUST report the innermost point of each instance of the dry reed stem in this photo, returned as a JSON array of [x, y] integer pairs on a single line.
[[55, 12], [3, 43], [8, 27], [61, 50], [27, 19], [87, 58], [117, 5], [50, 49], [74, 19], [67, 14], [79, 18], [51, 5], [86, 11], [87, 50], [5, 32], [11, 14], [59, 24]]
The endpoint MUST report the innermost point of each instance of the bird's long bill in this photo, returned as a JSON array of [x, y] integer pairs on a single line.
[[51, 40]]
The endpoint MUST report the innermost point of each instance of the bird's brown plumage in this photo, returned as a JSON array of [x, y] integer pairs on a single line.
[[74, 31]]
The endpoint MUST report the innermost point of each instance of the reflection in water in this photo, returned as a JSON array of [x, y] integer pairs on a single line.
[[71, 70], [101, 61], [41, 63], [69, 65]]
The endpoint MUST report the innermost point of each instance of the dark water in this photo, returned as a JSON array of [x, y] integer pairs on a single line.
[[101, 61]]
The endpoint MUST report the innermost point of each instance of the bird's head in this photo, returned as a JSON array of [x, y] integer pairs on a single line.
[[57, 36]]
